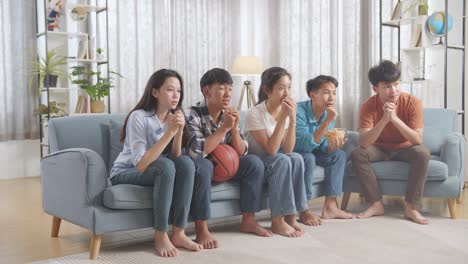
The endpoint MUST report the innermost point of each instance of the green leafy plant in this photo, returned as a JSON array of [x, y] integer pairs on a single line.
[[422, 5], [50, 65], [99, 50], [92, 82], [54, 108]]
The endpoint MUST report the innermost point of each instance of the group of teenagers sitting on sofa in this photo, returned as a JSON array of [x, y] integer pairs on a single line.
[[279, 147]]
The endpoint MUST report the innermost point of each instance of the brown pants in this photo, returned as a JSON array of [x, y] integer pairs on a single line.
[[417, 156]]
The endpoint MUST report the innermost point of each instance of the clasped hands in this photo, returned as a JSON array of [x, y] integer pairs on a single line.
[[175, 122]]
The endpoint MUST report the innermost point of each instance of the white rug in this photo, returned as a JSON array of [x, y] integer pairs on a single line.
[[388, 239]]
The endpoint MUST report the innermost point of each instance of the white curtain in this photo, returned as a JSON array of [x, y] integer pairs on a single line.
[[332, 38], [188, 36], [308, 38], [17, 48]]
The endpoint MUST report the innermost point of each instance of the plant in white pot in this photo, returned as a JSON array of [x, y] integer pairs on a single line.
[[96, 86]]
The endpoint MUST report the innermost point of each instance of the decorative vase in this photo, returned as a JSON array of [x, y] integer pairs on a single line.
[[97, 106]]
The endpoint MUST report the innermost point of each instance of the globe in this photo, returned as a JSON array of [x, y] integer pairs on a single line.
[[436, 23], [79, 13]]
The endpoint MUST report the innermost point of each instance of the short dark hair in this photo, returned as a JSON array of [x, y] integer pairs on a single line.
[[315, 83], [215, 75], [386, 71]]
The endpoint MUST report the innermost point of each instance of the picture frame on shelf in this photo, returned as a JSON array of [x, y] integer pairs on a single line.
[[55, 14]]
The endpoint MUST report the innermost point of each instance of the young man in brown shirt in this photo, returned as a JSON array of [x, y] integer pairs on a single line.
[[391, 128]]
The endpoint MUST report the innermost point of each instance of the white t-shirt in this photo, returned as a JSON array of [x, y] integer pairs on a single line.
[[258, 118]]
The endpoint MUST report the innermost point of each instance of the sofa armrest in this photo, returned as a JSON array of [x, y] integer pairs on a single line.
[[353, 142], [72, 180], [453, 153]]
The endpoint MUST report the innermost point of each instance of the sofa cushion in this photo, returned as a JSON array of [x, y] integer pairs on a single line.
[[128, 196], [115, 147], [319, 175], [398, 170]]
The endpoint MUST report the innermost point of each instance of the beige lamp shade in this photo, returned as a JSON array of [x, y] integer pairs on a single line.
[[246, 65]]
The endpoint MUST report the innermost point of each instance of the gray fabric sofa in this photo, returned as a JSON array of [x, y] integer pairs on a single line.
[[76, 186], [445, 177]]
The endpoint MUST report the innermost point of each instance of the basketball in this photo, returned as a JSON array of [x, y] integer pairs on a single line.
[[225, 162]]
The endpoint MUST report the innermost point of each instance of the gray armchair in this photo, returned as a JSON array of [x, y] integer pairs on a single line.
[[446, 167]]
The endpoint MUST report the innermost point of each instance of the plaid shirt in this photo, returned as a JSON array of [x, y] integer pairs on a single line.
[[201, 125]]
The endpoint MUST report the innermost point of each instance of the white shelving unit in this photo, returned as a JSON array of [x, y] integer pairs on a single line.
[[68, 38], [428, 68]]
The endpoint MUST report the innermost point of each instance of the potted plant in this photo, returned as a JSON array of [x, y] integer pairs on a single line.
[[48, 69], [53, 110], [422, 7], [100, 54], [96, 86]]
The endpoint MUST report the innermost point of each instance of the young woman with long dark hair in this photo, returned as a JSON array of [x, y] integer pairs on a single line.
[[154, 135]]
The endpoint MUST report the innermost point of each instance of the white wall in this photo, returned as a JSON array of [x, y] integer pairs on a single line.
[[19, 159]]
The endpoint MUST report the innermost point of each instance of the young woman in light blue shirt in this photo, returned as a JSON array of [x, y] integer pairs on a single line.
[[154, 136]]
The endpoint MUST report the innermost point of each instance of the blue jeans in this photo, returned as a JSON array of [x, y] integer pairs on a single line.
[[250, 175], [334, 163], [172, 182], [285, 177]]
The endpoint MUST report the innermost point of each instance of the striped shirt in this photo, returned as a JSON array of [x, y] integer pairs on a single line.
[[201, 125]]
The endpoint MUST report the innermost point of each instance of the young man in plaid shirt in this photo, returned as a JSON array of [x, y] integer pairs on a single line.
[[213, 122]]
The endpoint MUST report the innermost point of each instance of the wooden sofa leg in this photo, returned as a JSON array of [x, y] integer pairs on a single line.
[[55, 226], [345, 200], [452, 205], [94, 246]]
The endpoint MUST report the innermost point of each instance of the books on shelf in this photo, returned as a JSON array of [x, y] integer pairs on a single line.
[[416, 35], [82, 104], [396, 14], [83, 52]]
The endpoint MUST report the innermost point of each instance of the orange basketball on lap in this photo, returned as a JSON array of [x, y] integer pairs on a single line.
[[225, 162]]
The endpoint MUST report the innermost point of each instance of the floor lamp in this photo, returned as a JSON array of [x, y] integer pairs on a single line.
[[246, 66]]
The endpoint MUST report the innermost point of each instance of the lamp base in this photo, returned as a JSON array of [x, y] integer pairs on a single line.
[[247, 88]]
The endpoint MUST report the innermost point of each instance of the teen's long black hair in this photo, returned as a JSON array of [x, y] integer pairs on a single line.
[[269, 77], [149, 103]]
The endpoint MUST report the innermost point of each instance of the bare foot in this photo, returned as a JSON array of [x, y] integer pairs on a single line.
[[180, 240], [308, 218], [333, 212], [291, 220], [163, 245], [412, 214], [376, 209], [204, 236], [249, 225], [280, 227]]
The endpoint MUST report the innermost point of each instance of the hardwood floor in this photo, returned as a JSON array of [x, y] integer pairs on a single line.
[[26, 229]]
